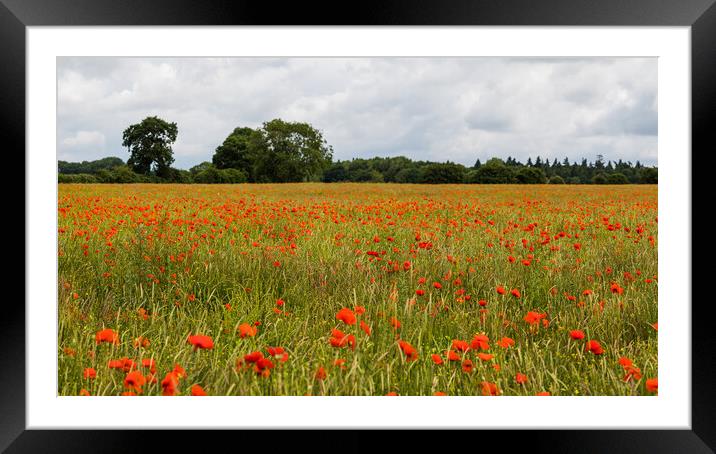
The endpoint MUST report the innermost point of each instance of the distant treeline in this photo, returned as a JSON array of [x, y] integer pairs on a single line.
[[390, 170], [282, 152], [494, 171]]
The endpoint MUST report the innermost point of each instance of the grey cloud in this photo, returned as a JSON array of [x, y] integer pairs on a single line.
[[459, 109]]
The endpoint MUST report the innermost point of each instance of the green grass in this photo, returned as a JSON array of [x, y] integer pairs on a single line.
[[215, 228]]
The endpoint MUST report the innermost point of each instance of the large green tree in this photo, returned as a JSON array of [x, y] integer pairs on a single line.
[[289, 152], [443, 173], [530, 175], [493, 171], [149, 144], [238, 150]]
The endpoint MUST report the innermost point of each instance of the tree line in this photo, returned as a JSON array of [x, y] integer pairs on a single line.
[[283, 152]]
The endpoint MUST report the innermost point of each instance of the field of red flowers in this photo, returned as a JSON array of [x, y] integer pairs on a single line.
[[357, 289]]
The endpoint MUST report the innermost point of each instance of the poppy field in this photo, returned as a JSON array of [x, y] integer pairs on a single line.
[[357, 289]]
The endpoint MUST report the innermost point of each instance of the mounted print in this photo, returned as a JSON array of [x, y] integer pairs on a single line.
[[357, 226]]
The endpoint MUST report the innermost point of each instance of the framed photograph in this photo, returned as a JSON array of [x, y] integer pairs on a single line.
[[425, 218]]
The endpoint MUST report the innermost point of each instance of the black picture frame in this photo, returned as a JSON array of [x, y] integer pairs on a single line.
[[700, 15]]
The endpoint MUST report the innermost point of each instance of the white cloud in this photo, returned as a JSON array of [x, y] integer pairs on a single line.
[[459, 109]]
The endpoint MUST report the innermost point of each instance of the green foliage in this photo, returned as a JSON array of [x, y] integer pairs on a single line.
[[617, 178], [599, 178], [226, 281], [178, 176], [281, 151], [76, 178], [649, 175], [335, 173], [90, 167], [289, 152], [238, 151], [212, 175], [119, 174], [493, 171], [448, 173], [530, 175], [233, 175], [408, 175], [149, 143]]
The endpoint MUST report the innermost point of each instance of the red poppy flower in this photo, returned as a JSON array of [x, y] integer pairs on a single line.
[[246, 330], [594, 347], [533, 318], [89, 373], [135, 380], [392, 393], [170, 384], [452, 356], [501, 290], [460, 345], [489, 389], [179, 371], [652, 385], [346, 316], [515, 293], [576, 334], [360, 310], [521, 378], [141, 341], [624, 361], [411, 354], [364, 326], [439, 393], [125, 364], [506, 342], [436, 359], [107, 335], [467, 366], [394, 322], [631, 372], [253, 357], [197, 390], [149, 363], [485, 356], [339, 339], [437, 285], [263, 367], [480, 342], [84, 392], [321, 373], [543, 393], [420, 292], [201, 341]]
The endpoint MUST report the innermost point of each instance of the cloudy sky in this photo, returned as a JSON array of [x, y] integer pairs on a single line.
[[457, 109]]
